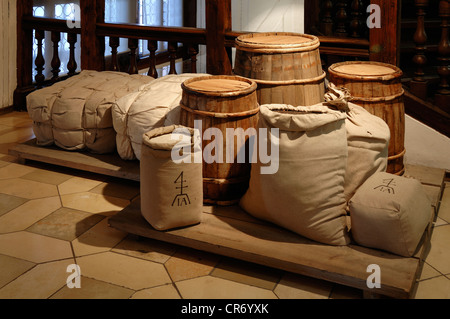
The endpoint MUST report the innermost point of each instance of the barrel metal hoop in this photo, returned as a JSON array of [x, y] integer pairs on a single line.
[[378, 99], [293, 82], [221, 115]]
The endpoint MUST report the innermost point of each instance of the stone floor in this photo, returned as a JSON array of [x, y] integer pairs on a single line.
[[52, 218]]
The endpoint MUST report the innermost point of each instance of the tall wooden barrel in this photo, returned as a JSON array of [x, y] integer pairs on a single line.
[[285, 65], [377, 87], [221, 103]]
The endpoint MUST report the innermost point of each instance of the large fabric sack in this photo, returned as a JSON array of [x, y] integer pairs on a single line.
[[367, 137], [75, 114], [306, 194], [171, 189], [368, 144], [141, 112], [390, 212]]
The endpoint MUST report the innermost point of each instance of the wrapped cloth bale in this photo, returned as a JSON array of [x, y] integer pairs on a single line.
[[75, 114], [171, 177], [391, 213], [306, 193], [367, 137], [143, 111]]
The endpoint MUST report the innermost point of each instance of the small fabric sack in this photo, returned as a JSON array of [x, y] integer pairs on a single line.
[[171, 180], [391, 213]]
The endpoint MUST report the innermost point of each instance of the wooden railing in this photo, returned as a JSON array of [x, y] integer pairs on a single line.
[[346, 37], [426, 61]]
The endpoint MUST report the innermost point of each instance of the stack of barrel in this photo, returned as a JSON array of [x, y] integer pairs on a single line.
[[282, 68]]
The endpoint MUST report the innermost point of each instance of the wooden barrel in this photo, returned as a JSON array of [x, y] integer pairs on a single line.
[[222, 102], [377, 87], [285, 65]]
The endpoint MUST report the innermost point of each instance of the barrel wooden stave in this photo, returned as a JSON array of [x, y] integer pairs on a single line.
[[223, 183], [282, 70], [381, 95]]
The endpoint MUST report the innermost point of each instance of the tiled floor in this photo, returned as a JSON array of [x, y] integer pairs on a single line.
[[51, 218]]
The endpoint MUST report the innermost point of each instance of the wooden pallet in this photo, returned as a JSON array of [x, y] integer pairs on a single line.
[[231, 232], [105, 164]]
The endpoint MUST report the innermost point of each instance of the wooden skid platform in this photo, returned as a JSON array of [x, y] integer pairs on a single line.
[[229, 231], [105, 164]]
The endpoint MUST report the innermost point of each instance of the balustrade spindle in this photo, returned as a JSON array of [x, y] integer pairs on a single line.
[[193, 51], [40, 61], [114, 43], [442, 98], [152, 47], [56, 62], [133, 45], [341, 18], [173, 56], [356, 22], [419, 85], [420, 39], [326, 25], [72, 63]]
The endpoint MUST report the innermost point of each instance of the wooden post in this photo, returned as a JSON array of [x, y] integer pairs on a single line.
[[385, 41], [218, 21], [442, 97], [24, 55], [92, 46], [419, 85]]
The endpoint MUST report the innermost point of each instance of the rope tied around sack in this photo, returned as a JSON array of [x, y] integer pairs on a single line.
[[338, 97]]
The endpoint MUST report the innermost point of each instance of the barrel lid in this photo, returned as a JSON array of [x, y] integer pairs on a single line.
[[219, 85], [366, 70], [277, 42]]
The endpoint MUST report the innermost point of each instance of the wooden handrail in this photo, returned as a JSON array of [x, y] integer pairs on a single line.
[[168, 34], [47, 24]]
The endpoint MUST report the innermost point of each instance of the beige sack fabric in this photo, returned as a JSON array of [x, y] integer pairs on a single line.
[[368, 142], [75, 114], [367, 136], [171, 192], [306, 194], [143, 111], [390, 212]]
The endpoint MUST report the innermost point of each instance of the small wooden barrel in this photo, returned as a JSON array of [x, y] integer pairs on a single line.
[[285, 65], [222, 102], [377, 87]]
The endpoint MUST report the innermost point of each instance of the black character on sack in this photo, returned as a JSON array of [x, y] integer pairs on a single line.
[[181, 199], [388, 186]]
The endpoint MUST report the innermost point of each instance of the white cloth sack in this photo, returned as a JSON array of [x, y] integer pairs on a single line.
[[390, 212], [75, 114], [306, 194], [171, 192], [141, 112]]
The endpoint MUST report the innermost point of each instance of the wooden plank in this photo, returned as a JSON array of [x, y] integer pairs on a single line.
[[269, 245], [106, 164]]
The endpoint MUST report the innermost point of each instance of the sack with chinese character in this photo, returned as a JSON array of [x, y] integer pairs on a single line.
[[171, 177], [391, 213]]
